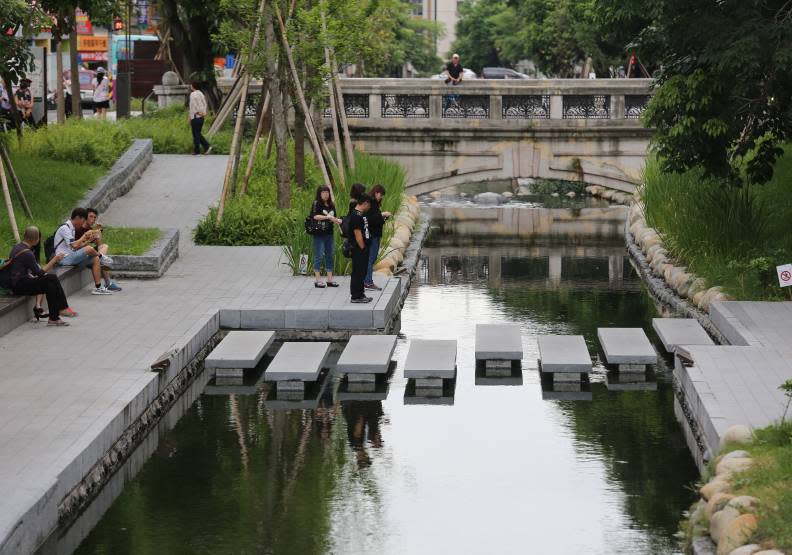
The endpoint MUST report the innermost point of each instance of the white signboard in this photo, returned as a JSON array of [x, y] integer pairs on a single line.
[[784, 275]]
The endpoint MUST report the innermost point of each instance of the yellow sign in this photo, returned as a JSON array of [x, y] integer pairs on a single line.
[[91, 43]]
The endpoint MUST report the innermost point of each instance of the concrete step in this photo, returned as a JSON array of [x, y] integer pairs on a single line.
[[431, 359], [564, 354], [366, 355], [680, 331], [239, 350], [498, 342], [626, 346], [298, 361]]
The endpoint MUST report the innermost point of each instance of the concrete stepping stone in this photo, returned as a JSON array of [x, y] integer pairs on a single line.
[[498, 345], [365, 356], [566, 357], [680, 331], [297, 363], [239, 350], [430, 361], [628, 347]]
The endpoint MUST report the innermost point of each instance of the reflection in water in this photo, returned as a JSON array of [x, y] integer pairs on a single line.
[[496, 469]]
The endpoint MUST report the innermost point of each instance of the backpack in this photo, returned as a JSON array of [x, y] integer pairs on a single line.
[[345, 225], [5, 270], [50, 246]]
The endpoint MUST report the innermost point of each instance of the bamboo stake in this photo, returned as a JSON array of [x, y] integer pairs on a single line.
[[350, 153], [255, 145], [9, 206], [333, 109], [15, 180], [234, 141], [308, 119], [226, 108]]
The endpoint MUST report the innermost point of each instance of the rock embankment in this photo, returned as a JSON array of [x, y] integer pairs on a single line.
[[404, 223]]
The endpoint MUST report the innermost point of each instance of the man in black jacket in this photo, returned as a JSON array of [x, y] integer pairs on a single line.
[[360, 239]]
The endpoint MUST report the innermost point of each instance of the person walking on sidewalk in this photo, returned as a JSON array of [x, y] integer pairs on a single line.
[[376, 219], [101, 93], [361, 239], [197, 115]]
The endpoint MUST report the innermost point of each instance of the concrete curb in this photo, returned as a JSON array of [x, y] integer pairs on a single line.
[[154, 263], [121, 177]]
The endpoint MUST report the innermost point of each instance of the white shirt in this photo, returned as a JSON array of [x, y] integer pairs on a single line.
[[5, 104], [197, 103], [101, 90], [64, 237]]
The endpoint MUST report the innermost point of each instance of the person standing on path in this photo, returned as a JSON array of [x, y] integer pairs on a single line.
[[376, 219], [101, 93], [361, 238], [323, 213], [28, 278], [197, 115]]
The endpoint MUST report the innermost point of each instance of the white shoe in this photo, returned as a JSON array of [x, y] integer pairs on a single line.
[[101, 291]]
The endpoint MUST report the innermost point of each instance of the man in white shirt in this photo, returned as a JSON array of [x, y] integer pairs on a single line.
[[197, 114], [78, 252]]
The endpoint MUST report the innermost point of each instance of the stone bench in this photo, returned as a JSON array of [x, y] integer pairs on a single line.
[[295, 364], [564, 357], [365, 357], [430, 361], [237, 351], [498, 346], [627, 347], [680, 331]]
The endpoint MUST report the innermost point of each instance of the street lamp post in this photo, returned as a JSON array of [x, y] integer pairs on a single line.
[[124, 78]]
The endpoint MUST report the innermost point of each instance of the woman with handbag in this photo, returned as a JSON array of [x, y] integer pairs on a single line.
[[320, 224], [28, 278]]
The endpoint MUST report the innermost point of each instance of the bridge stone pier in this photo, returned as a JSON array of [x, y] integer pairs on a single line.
[[572, 129]]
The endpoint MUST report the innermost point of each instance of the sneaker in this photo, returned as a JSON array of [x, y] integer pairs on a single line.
[[101, 291], [114, 287], [372, 286], [362, 300]]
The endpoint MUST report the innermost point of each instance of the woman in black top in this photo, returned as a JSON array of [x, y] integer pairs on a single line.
[[28, 278], [355, 192], [376, 221], [323, 211]]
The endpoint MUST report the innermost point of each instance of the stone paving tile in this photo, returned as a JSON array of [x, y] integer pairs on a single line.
[[62, 388]]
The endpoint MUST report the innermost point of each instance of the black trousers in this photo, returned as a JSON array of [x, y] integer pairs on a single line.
[[47, 284], [196, 124], [359, 269]]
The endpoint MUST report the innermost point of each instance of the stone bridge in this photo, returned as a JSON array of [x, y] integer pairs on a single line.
[[572, 129]]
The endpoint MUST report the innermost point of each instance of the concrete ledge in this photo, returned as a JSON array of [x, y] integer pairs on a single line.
[[121, 177], [154, 263]]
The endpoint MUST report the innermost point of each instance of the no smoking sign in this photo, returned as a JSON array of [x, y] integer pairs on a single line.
[[784, 275]]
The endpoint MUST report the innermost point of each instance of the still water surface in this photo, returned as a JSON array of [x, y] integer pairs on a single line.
[[496, 469]]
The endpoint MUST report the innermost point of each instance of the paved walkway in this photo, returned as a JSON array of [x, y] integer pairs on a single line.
[[67, 394]]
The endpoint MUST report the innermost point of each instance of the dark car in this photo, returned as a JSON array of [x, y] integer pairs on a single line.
[[501, 73]]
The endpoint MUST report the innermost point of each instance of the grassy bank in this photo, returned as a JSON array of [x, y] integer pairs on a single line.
[[255, 219], [770, 480], [731, 236]]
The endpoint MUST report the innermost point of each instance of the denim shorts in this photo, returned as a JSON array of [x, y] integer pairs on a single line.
[[76, 258]]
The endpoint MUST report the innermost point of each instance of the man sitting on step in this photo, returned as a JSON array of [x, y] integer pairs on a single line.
[[100, 246], [78, 252]]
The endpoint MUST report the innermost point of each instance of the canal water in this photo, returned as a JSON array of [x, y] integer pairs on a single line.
[[495, 465]]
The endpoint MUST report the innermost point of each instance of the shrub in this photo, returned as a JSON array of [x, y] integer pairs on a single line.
[[93, 142]]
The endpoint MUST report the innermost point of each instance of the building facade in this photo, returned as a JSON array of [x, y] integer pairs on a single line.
[[444, 12]]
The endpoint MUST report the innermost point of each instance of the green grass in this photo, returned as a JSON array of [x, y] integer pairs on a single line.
[[730, 236], [254, 219], [53, 188], [770, 480]]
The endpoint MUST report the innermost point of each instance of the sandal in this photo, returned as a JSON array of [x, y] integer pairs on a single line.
[[68, 313], [57, 323], [319, 285], [332, 284]]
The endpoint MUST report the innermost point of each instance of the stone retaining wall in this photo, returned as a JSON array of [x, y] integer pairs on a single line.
[[121, 177], [152, 264]]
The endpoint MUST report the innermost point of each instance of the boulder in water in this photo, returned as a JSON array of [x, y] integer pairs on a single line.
[[489, 198]]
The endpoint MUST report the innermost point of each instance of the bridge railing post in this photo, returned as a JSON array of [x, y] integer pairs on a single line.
[[496, 106], [556, 106], [375, 106], [617, 106], [436, 106]]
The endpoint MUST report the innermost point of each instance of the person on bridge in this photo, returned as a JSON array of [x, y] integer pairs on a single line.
[[453, 71], [198, 111]]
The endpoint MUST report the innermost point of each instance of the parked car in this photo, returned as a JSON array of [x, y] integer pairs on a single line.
[[86, 88], [502, 73], [467, 74]]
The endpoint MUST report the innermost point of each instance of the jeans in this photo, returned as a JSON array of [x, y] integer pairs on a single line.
[[47, 284], [374, 248], [196, 124], [359, 266], [323, 248], [77, 258]]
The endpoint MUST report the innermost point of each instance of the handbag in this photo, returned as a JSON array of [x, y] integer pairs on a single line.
[[312, 227]]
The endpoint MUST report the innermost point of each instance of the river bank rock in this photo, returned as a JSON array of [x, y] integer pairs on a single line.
[[737, 532], [489, 198], [732, 466], [718, 485], [716, 503], [749, 549], [738, 433], [720, 522]]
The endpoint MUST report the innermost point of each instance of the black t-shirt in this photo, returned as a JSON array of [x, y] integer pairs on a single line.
[[454, 70], [375, 218], [326, 226], [359, 221]]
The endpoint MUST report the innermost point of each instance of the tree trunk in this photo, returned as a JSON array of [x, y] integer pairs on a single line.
[[262, 121], [9, 205], [299, 146], [15, 118], [228, 182], [75, 70], [60, 92], [279, 123]]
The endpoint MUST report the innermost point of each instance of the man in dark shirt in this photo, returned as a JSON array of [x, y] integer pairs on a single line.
[[24, 101], [453, 71], [360, 239]]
